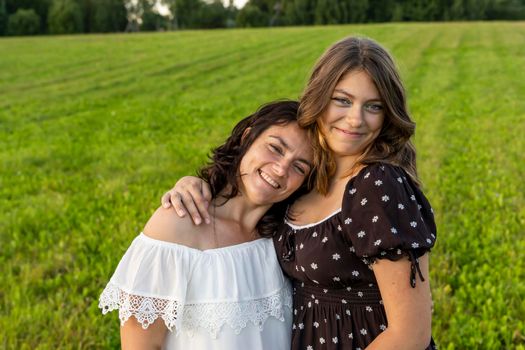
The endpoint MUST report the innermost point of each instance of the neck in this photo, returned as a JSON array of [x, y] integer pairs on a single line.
[[239, 211], [345, 167]]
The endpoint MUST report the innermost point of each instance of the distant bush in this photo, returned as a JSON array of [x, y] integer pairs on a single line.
[[252, 16], [23, 22], [65, 16]]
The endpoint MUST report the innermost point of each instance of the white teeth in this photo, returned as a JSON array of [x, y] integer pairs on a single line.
[[269, 179]]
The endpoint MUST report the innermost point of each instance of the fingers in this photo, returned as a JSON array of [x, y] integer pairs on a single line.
[[165, 200], [188, 202]]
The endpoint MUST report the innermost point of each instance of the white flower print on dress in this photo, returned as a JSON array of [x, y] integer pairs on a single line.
[[334, 340], [300, 325], [393, 230], [377, 243], [375, 218], [352, 191], [361, 234], [429, 241], [415, 245], [367, 175], [363, 201], [355, 273], [413, 223], [368, 308], [316, 324], [339, 228], [360, 294], [336, 279], [314, 234], [382, 327], [399, 180], [321, 340], [378, 182], [351, 336], [325, 239], [336, 256], [314, 266], [344, 301], [385, 198], [348, 221], [348, 312], [401, 206], [309, 347], [363, 331], [412, 197], [301, 246]]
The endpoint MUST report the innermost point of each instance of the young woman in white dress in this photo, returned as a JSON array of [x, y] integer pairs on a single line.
[[219, 286]]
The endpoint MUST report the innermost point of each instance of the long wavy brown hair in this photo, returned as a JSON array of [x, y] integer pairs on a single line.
[[222, 171], [392, 145]]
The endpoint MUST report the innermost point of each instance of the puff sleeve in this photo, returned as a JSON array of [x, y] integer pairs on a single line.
[[387, 216], [150, 282]]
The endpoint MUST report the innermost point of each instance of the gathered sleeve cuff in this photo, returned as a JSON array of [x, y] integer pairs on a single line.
[[387, 216]]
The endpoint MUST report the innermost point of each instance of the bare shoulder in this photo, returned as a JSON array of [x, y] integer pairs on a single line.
[[166, 225]]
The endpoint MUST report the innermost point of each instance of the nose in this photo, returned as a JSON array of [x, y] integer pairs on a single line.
[[354, 116], [280, 167]]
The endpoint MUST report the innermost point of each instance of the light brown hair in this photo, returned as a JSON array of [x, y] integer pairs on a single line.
[[392, 145]]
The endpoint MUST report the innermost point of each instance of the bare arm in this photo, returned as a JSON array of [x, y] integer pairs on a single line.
[[189, 195], [408, 310], [134, 337]]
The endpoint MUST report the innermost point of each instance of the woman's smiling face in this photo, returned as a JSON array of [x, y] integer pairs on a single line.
[[276, 164], [354, 116]]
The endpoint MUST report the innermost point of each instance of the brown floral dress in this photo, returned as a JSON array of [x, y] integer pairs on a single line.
[[337, 303]]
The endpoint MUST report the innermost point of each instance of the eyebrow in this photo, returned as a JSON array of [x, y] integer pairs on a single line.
[[352, 96], [285, 145]]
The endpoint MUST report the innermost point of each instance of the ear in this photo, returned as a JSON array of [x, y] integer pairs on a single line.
[[245, 133]]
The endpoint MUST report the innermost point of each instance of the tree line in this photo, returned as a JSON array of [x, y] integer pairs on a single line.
[[32, 17]]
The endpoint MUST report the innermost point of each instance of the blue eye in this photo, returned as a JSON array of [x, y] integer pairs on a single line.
[[374, 107], [343, 101]]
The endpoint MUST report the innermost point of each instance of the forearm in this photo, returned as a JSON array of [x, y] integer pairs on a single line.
[[134, 337], [392, 340]]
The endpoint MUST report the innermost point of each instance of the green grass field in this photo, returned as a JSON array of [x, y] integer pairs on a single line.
[[93, 129]]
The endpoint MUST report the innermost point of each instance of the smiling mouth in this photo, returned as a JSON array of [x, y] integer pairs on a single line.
[[351, 133], [269, 180]]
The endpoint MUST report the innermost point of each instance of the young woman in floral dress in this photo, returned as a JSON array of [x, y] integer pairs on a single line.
[[357, 255]]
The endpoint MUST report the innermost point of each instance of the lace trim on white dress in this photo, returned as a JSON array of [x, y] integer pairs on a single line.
[[208, 316], [145, 309], [237, 315]]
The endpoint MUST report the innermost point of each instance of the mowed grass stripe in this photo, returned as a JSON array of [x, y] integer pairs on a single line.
[[478, 218]]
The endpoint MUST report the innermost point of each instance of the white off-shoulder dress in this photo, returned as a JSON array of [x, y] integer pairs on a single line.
[[234, 297]]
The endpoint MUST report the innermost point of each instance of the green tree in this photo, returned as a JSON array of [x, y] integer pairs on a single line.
[[3, 17], [300, 12], [41, 8], [213, 15], [327, 12], [252, 16], [65, 16], [381, 10], [23, 22], [108, 16]]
